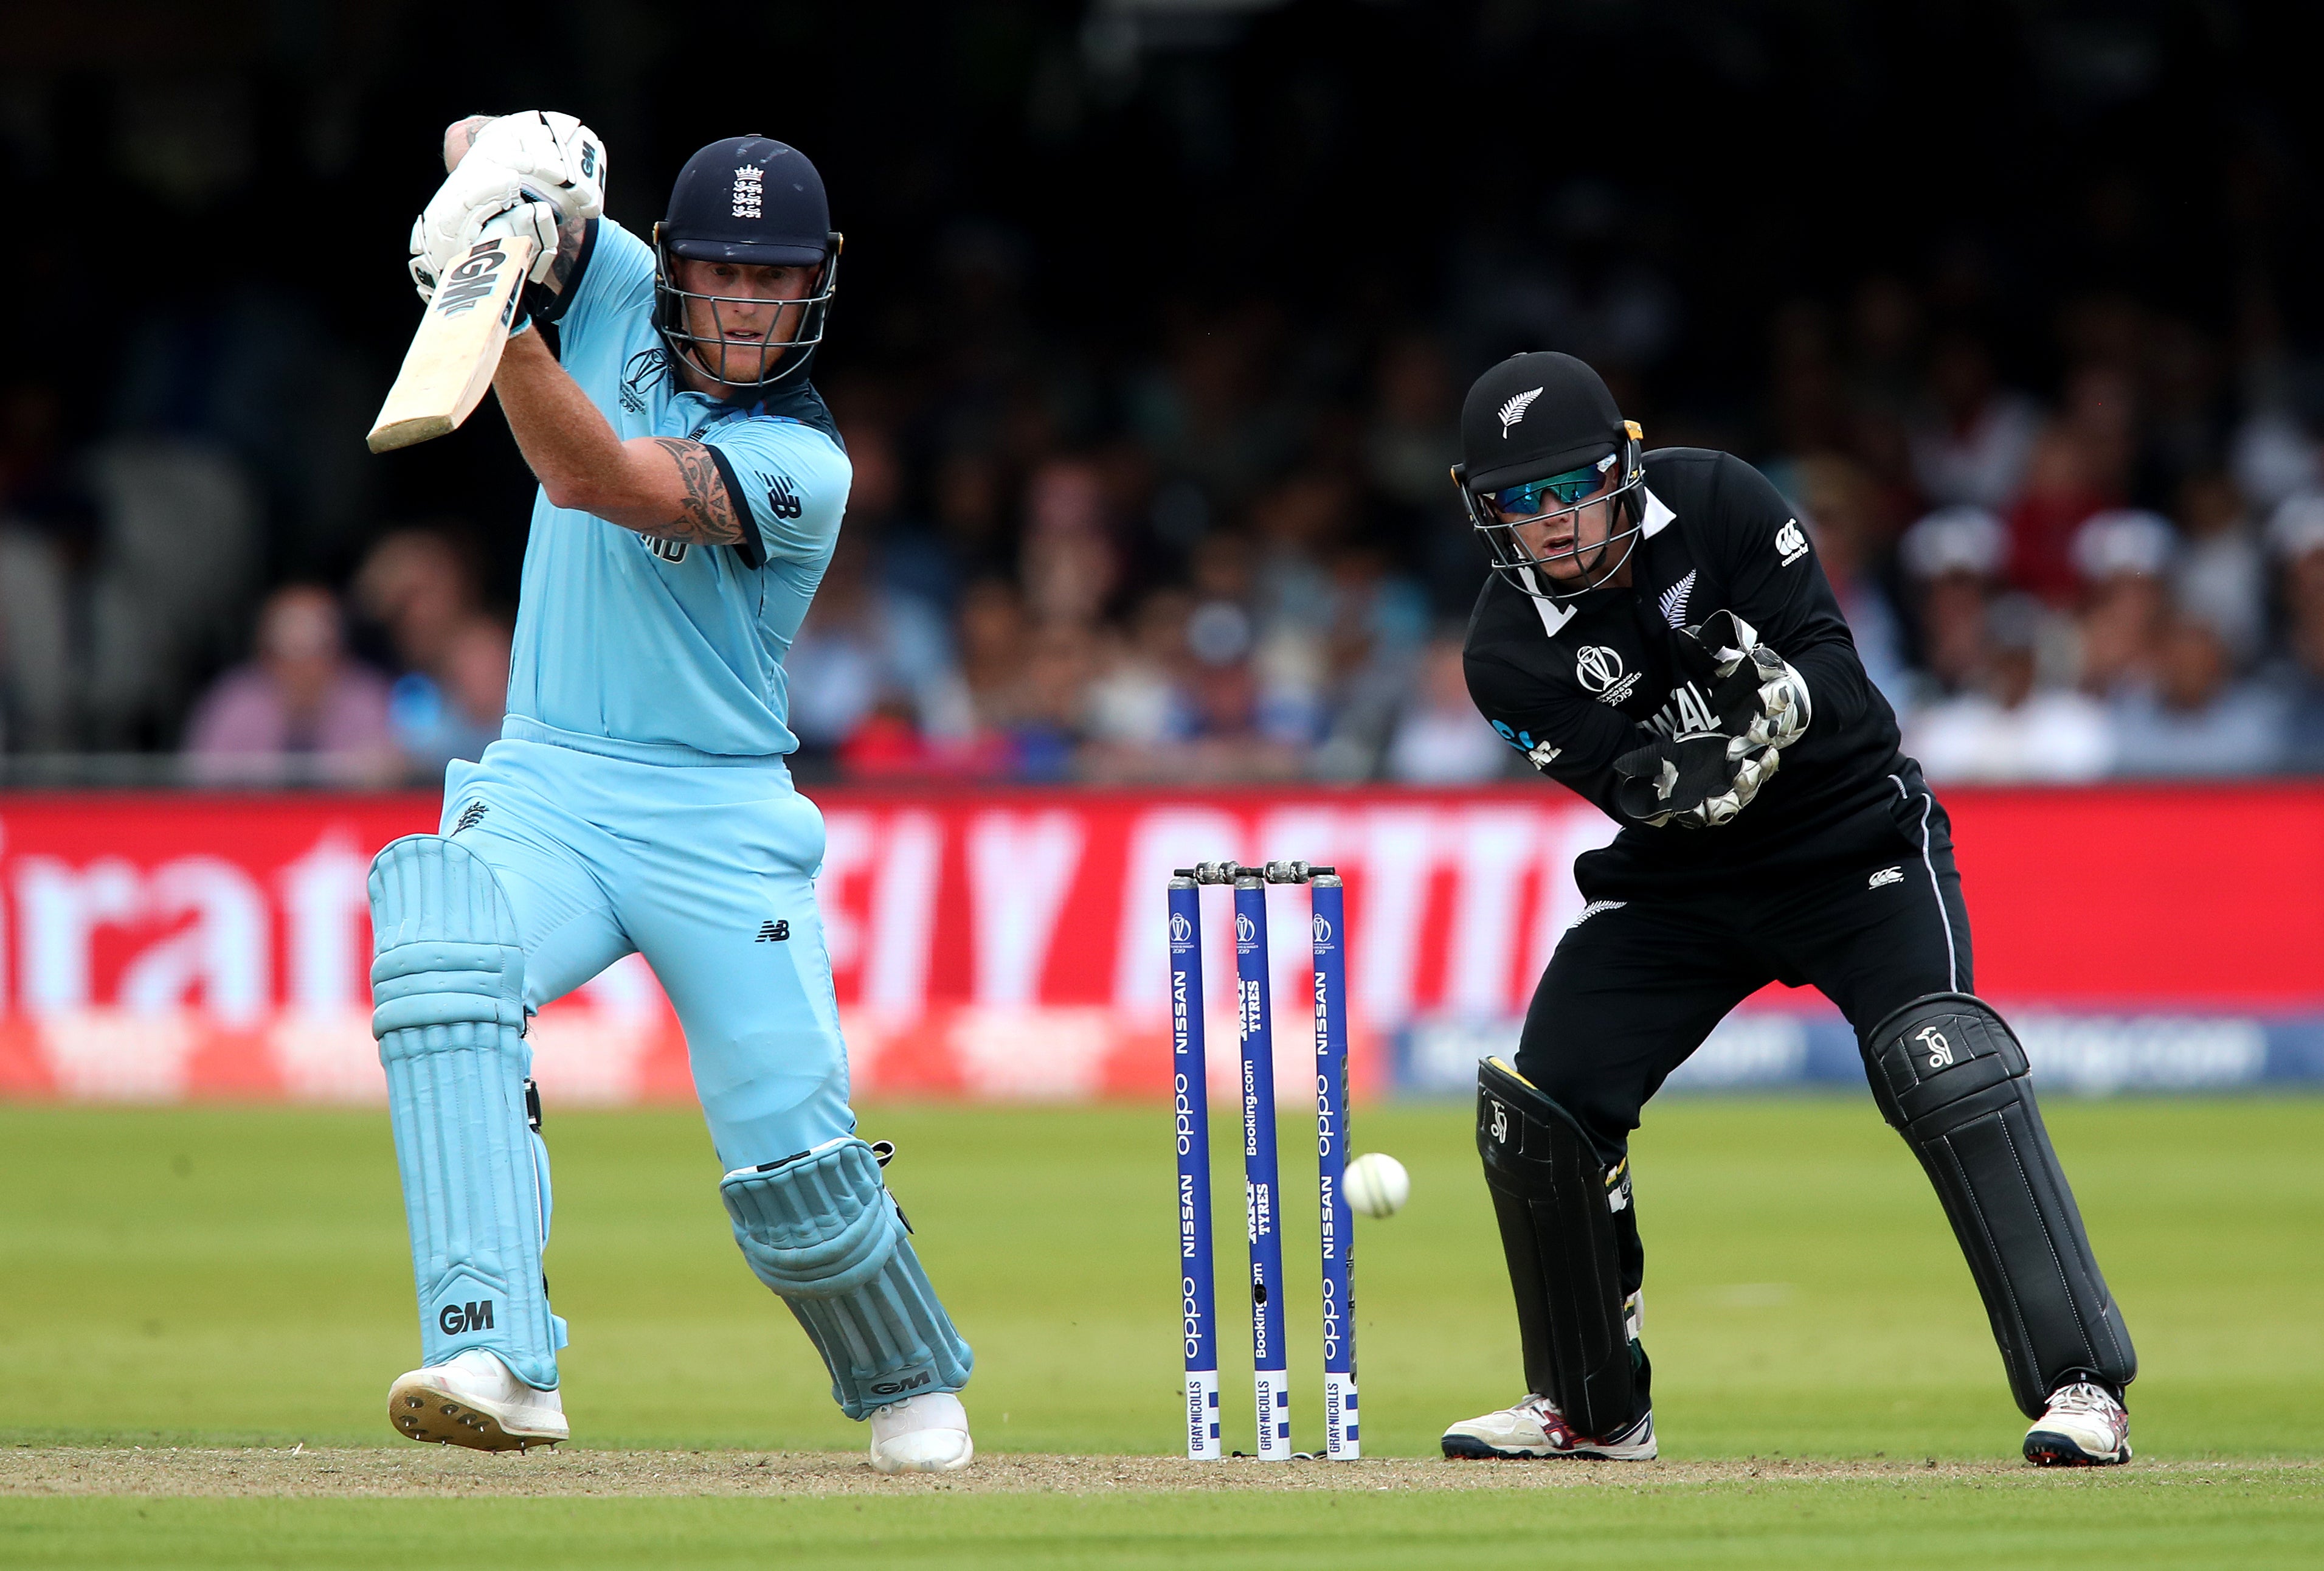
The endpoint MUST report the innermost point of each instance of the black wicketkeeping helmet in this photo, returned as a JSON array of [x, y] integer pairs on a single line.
[[1541, 439], [752, 200]]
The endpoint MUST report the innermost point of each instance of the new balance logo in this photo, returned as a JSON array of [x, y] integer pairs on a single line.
[[469, 816], [777, 932], [1673, 600], [455, 1319], [669, 551], [781, 500], [1791, 541], [1886, 876]]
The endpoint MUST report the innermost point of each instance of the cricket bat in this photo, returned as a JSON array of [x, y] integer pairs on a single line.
[[457, 347]]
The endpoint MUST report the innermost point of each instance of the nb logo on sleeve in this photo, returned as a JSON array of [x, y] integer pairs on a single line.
[[783, 500], [669, 551]]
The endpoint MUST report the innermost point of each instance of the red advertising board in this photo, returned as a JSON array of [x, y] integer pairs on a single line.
[[1010, 944]]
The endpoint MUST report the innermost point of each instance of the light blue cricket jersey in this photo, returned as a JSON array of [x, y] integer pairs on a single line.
[[659, 650]]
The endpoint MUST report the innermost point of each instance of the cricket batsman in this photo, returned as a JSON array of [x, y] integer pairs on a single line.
[[1658, 635], [691, 488]]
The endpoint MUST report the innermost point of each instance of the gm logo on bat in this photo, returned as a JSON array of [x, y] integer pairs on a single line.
[[471, 281]]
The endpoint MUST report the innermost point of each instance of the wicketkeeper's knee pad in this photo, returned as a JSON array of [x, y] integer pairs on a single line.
[[1560, 1211], [1949, 1076], [448, 991], [821, 1230]]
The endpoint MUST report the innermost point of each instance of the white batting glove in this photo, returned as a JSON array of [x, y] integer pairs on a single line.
[[558, 159], [476, 198]]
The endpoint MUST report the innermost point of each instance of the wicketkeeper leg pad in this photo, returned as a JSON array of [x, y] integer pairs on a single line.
[[1558, 1206], [821, 1230], [1950, 1077], [447, 991]]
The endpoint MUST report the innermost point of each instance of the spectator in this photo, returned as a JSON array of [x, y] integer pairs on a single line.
[[866, 647], [2221, 576], [419, 587], [468, 705], [1972, 448], [300, 709], [2193, 719], [1069, 563], [1837, 499], [1138, 702], [2123, 558], [2062, 490], [1441, 739], [2007, 728], [2296, 539], [1951, 557]]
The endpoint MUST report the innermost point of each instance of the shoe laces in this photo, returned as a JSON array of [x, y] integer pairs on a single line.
[[2083, 1396]]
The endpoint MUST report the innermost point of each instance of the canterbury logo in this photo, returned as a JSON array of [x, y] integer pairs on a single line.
[[1791, 542], [1514, 411]]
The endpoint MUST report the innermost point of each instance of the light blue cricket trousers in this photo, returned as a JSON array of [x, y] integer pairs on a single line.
[[708, 873]]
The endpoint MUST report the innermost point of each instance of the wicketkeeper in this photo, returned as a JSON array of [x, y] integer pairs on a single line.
[[691, 488], [1658, 635]]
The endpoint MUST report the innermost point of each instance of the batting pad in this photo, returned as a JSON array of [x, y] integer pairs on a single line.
[[448, 994], [1555, 1204], [821, 1230], [1952, 1080]]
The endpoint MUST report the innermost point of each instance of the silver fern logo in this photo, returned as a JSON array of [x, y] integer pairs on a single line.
[[1514, 411], [1673, 600]]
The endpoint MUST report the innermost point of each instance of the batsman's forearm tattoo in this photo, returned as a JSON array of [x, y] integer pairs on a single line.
[[707, 513]]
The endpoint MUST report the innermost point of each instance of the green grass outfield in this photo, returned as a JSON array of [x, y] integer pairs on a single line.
[[230, 1277]]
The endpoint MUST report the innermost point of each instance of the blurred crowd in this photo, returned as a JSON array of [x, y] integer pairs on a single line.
[[1150, 359], [1240, 557]]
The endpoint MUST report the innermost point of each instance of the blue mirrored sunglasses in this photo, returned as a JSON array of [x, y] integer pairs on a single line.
[[1525, 501]]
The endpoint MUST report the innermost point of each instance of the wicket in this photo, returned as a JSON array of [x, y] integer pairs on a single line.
[[1190, 1096]]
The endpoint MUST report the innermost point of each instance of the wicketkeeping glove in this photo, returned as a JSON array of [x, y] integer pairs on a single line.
[[1699, 780], [1756, 695]]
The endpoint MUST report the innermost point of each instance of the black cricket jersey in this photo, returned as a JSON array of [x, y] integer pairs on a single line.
[[1575, 684]]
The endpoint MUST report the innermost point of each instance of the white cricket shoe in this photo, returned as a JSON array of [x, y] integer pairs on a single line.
[[924, 1434], [2084, 1427], [1535, 1428], [473, 1401]]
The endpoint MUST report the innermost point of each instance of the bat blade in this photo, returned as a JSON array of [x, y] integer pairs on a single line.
[[457, 347]]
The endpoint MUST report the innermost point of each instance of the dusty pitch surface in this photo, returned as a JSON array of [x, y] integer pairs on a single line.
[[443, 1471]]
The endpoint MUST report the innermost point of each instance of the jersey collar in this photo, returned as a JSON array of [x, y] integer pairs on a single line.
[[1556, 614]]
